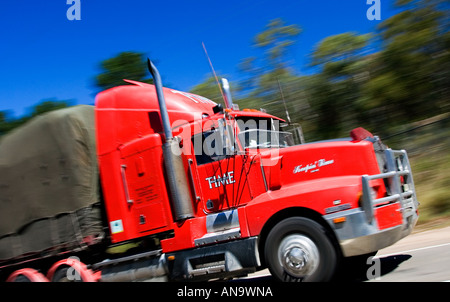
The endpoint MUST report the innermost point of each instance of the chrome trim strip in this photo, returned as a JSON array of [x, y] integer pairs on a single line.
[[218, 236], [125, 186], [222, 221], [191, 178], [264, 176]]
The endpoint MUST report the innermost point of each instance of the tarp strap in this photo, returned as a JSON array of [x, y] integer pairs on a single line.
[[77, 230], [54, 233]]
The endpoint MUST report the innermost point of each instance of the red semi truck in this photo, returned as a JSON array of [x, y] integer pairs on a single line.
[[189, 190]]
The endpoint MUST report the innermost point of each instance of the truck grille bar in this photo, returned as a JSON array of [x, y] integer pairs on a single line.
[[399, 185]]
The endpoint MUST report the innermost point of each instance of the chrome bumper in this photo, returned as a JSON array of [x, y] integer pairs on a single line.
[[357, 237], [360, 234]]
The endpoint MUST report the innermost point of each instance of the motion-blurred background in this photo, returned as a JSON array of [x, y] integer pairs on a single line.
[[325, 66]]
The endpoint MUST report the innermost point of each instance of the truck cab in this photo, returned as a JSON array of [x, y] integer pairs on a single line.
[[158, 184], [296, 209]]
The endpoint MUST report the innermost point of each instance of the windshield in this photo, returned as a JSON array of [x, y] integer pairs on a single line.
[[257, 133]]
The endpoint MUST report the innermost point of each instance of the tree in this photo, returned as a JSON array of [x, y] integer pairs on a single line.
[[335, 91], [276, 41], [269, 76], [412, 76], [8, 123], [126, 65], [380, 86], [263, 74], [48, 105], [209, 89]]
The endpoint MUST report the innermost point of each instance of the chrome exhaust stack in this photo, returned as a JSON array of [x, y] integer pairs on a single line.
[[227, 94], [178, 185]]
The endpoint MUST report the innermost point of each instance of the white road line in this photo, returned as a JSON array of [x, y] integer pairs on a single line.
[[413, 250]]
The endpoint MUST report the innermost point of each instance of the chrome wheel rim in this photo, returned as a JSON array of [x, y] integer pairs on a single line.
[[298, 255]]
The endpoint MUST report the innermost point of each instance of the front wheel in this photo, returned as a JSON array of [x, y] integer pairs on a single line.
[[298, 249]]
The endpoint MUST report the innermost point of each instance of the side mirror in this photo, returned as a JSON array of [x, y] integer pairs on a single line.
[[226, 136]]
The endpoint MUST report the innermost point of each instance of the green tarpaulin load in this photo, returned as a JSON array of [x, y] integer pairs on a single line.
[[49, 185]]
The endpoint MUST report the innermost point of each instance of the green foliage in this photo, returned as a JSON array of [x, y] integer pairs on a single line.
[[269, 81], [406, 78], [209, 89], [47, 105], [126, 65], [276, 40], [262, 74], [344, 48], [412, 76], [430, 160], [8, 123], [335, 92]]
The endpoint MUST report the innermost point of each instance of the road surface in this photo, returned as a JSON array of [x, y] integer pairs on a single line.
[[420, 257]]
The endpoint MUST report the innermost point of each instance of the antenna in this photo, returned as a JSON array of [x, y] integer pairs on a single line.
[[284, 102], [213, 71], [298, 128]]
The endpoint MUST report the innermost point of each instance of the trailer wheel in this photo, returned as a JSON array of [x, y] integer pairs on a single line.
[[298, 249], [71, 270], [63, 274], [21, 278], [26, 275]]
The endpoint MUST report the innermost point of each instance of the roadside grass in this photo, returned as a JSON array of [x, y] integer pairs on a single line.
[[429, 154], [432, 180]]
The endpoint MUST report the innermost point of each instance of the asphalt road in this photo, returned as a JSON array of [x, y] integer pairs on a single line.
[[420, 257]]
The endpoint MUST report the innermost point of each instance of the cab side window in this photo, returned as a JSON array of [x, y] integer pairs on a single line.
[[208, 147]]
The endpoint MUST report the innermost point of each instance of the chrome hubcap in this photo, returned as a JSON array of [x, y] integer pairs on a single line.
[[298, 255]]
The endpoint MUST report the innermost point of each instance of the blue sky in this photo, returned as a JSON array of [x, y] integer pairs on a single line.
[[44, 55]]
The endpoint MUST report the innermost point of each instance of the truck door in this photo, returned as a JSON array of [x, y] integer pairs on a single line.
[[223, 175], [144, 186]]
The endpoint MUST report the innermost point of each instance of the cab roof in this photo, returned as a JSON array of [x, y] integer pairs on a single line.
[[180, 105], [142, 96]]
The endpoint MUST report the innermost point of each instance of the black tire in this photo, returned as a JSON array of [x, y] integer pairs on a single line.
[[298, 249], [63, 274], [21, 278]]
